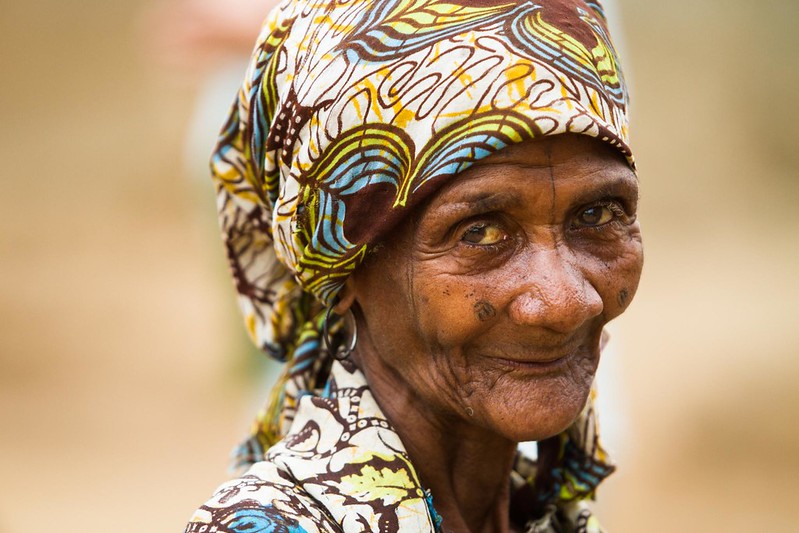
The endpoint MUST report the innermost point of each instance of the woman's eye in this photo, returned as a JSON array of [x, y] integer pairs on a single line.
[[598, 215], [484, 235]]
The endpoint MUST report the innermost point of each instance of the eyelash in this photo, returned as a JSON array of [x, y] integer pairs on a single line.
[[620, 216], [502, 244]]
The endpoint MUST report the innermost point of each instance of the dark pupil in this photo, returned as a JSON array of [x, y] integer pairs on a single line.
[[475, 234], [592, 215]]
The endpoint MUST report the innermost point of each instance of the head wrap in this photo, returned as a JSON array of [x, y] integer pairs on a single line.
[[353, 112]]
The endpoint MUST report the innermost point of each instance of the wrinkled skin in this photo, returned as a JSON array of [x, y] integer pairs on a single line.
[[480, 319]]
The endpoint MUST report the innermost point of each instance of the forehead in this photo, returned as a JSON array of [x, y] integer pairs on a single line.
[[577, 162], [554, 150]]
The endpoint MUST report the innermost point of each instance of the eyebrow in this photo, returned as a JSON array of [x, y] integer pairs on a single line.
[[598, 185], [609, 186], [487, 201]]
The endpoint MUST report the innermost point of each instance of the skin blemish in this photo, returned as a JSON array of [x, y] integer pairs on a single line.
[[484, 310], [623, 297]]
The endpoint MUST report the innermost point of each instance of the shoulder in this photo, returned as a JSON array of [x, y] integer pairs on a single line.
[[263, 500]]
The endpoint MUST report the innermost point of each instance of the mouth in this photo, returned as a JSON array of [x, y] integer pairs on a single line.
[[543, 364]]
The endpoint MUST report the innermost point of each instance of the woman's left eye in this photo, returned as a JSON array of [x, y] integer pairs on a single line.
[[484, 235], [598, 215]]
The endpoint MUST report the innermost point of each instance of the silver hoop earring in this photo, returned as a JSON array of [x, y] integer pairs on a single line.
[[341, 353]]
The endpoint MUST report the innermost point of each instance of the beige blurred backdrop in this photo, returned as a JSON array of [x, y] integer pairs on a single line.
[[124, 375]]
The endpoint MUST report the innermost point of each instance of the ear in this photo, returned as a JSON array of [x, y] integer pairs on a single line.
[[346, 297]]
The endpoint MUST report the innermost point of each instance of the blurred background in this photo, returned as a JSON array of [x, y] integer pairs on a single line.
[[125, 377]]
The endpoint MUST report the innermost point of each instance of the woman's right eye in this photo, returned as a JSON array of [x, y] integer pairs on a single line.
[[484, 234]]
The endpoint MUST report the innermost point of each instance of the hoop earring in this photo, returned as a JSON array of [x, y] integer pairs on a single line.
[[341, 353]]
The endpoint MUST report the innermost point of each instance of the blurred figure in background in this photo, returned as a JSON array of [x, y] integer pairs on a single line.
[[197, 36], [207, 42]]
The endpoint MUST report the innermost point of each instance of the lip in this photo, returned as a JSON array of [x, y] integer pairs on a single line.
[[544, 365]]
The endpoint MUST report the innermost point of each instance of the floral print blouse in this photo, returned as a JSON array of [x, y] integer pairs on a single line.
[[342, 467]]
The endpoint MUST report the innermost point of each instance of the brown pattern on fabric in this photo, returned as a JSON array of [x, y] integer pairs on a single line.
[[357, 111], [342, 467], [352, 113]]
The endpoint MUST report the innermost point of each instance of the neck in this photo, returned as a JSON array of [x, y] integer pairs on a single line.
[[466, 468]]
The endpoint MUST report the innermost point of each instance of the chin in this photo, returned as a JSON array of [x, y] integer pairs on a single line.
[[539, 414]]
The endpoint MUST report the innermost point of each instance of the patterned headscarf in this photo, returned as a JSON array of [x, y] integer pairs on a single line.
[[353, 112]]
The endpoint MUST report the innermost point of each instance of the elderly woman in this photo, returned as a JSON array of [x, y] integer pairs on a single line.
[[430, 213]]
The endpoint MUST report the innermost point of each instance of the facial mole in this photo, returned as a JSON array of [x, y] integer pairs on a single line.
[[484, 310], [623, 297]]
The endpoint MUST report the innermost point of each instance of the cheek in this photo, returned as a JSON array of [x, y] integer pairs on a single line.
[[452, 310], [616, 279]]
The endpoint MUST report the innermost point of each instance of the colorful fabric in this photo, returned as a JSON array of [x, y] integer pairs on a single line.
[[342, 467], [352, 113]]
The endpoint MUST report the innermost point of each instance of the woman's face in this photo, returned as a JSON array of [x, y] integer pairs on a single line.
[[487, 308]]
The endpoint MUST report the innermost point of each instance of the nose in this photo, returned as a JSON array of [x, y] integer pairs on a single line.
[[554, 293]]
